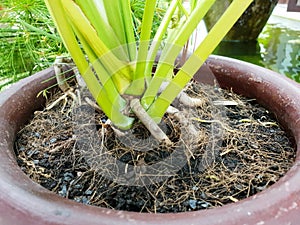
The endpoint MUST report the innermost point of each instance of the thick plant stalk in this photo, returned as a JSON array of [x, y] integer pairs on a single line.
[[169, 54], [91, 9], [191, 66], [120, 70], [58, 13], [158, 38], [103, 76], [118, 15], [153, 128], [138, 83], [112, 74]]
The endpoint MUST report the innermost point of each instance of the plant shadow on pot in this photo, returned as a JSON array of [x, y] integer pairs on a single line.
[[22, 198]]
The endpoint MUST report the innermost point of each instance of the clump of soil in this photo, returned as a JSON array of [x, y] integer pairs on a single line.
[[240, 150]]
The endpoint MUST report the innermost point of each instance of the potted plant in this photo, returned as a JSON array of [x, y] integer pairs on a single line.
[[24, 202]]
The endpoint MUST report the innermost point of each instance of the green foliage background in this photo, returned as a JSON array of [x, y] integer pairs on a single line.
[[28, 40]]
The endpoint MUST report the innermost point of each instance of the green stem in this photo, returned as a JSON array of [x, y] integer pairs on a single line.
[[104, 76], [129, 29], [39, 31], [169, 54], [118, 15], [157, 40], [98, 20], [138, 83], [58, 14], [120, 71], [191, 66]]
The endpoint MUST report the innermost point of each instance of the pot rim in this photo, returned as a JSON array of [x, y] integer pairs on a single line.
[[24, 202]]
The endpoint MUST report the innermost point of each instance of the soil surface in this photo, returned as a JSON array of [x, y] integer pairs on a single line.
[[238, 150]]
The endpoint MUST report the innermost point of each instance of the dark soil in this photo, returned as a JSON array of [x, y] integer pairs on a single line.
[[240, 150]]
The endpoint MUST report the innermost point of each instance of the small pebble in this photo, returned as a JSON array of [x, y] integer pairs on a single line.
[[32, 152], [36, 134], [203, 195], [88, 192], [195, 188], [63, 191], [77, 199], [85, 200], [193, 203], [68, 176], [77, 186], [53, 140], [204, 204]]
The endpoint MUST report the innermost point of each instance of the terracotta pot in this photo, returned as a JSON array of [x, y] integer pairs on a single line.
[[251, 23], [24, 202]]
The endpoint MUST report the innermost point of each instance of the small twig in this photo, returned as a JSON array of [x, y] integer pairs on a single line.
[[225, 103], [149, 123], [214, 121], [182, 119], [78, 96], [64, 98], [259, 122], [183, 97]]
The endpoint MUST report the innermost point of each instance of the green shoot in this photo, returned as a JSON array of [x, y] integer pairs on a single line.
[[101, 37]]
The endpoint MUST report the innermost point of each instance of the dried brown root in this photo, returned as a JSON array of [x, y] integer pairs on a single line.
[[64, 98], [214, 121], [184, 98], [149, 123], [63, 84], [118, 132], [184, 121], [142, 115]]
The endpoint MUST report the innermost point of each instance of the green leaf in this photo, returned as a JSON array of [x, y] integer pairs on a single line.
[[120, 71], [108, 105], [191, 66], [119, 17], [94, 12], [170, 53], [137, 86]]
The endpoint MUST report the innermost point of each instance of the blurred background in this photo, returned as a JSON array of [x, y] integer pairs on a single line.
[[29, 41]]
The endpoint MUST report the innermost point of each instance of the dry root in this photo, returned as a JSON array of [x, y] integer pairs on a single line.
[[149, 123], [70, 93], [64, 86], [250, 159]]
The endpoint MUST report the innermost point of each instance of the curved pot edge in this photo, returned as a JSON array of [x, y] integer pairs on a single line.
[[257, 82]]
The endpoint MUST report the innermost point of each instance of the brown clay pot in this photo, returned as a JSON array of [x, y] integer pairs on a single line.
[[23, 202]]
